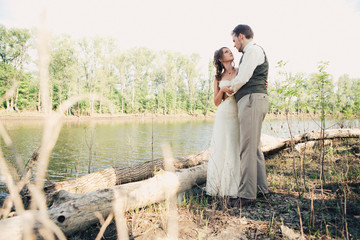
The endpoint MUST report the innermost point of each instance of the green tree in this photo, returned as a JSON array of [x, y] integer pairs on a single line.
[[141, 69], [321, 92], [190, 74], [62, 70], [344, 100], [206, 90], [14, 45], [87, 81], [121, 83], [105, 73], [165, 81], [356, 96], [288, 90], [28, 93]]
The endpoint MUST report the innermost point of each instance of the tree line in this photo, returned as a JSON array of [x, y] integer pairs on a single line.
[[141, 80]]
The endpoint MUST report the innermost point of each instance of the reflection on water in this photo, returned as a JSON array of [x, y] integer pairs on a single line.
[[111, 143], [118, 143]]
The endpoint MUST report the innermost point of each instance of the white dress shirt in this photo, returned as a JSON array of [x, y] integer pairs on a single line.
[[253, 55]]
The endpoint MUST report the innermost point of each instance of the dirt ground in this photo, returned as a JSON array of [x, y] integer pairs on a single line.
[[203, 221], [301, 207], [272, 217]]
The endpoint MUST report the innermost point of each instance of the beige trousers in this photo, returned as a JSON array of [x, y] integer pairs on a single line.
[[252, 109]]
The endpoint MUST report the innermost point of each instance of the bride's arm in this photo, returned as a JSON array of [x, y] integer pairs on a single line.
[[218, 93]]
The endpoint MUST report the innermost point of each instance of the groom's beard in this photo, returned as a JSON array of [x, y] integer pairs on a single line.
[[241, 48]]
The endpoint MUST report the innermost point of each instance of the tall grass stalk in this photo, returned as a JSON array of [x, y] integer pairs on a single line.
[[345, 217], [152, 136], [312, 210], [90, 144], [13, 189], [119, 206], [104, 225], [300, 219], [9, 143], [322, 80], [171, 197], [52, 127], [292, 153], [345, 190]]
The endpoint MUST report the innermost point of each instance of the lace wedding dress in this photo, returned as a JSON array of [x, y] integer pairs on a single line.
[[223, 174]]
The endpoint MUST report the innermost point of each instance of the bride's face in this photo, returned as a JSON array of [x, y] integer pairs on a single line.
[[227, 55]]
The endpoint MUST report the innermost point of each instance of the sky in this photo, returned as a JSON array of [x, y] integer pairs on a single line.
[[300, 32]]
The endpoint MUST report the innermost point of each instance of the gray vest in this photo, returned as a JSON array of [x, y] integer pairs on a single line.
[[257, 82]]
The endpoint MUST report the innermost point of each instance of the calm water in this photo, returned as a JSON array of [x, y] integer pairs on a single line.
[[123, 143]]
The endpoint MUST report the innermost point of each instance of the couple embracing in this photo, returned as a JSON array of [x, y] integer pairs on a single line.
[[236, 168]]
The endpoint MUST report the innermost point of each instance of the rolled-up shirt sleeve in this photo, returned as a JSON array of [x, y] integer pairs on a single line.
[[253, 56]]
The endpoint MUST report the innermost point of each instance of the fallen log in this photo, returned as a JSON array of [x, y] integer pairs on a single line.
[[114, 176], [75, 212], [310, 136], [311, 145], [119, 175]]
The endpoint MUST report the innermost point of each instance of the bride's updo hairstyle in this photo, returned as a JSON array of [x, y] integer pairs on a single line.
[[218, 65]]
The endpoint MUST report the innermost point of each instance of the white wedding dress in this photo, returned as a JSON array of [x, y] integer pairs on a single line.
[[223, 174]]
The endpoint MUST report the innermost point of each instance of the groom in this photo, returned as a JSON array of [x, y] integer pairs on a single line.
[[251, 96]]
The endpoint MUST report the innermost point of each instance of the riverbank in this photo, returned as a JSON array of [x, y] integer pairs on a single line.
[[28, 116]]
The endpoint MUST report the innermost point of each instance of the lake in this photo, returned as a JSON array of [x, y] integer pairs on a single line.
[[119, 143]]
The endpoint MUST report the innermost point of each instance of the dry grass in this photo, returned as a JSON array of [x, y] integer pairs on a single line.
[[40, 221], [289, 210]]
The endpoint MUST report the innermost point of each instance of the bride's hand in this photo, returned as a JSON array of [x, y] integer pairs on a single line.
[[228, 90]]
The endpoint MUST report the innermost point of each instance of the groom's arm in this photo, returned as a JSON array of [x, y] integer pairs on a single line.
[[252, 58]]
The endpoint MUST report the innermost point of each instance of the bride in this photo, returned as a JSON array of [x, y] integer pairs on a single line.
[[223, 174]]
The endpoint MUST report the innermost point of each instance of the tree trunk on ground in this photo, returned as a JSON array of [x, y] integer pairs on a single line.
[[115, 176], [120, 175], [276, 146], [75, 212]]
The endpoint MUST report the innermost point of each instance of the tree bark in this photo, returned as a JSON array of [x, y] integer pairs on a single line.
[[275, 146], [75, 212], [115, 176]]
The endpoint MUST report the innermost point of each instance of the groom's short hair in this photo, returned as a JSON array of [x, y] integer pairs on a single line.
[[243, 29]]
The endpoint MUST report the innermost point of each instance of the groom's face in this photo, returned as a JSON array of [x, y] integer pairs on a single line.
[[237, 42]]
